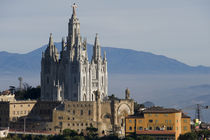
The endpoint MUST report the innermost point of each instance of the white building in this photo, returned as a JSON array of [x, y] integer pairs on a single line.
[[3, 133], [69, 75]]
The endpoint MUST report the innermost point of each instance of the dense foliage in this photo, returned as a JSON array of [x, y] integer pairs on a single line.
[[28, 92], [195, 135], [91, 134]]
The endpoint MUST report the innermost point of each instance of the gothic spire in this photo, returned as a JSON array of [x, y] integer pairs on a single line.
[[63, 44], [74, 28], [104, 55], [51, 40], [96, 49]]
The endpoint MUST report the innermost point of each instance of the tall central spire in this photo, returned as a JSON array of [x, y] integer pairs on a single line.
[[74, 28]]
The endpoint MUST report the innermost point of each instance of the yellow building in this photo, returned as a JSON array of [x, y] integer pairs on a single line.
[[162, 123], [11, 111]]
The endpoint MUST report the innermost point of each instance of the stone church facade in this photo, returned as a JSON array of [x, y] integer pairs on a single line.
[[69, 75]]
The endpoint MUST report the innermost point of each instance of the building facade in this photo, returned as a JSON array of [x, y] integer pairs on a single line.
[[162, 123], [11, 111], [108, 116], [69, 75], [7, 96]]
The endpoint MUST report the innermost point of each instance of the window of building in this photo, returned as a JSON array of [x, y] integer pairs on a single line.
[[60, 123], [177, 121], [68, 118], [86, 124], [21, 105], [73, 112], [81, 124], [130, 128], [60, 117], [73, 124], [14, 106], [140, 128], [73, 118], [81, 112], [169, 121], [169, 128], [28, 105], [185, 121], [157, 128], [150, 128], [185, 127], [150, 121], [130, 121], [68, 124], [89, 112], [102, 79], [166, 115], [166, 121]]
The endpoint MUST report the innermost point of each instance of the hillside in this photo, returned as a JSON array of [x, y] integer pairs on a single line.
[[121, 61]]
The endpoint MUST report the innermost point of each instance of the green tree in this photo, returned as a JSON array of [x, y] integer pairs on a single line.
[[92, 132], [188, 136], [69, 132], [129, 138], [28, 93], [78, 138], [145, 138]]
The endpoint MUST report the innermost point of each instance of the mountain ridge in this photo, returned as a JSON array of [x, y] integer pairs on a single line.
[[124, 61]]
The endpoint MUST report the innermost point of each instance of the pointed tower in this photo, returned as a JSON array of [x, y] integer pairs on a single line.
[[73, 28], [96, 50], [49, 64]]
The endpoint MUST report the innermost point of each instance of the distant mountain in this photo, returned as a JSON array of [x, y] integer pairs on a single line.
[[121, 61], [148, 104]]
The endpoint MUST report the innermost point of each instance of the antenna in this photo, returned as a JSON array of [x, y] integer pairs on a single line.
[[20, 83]]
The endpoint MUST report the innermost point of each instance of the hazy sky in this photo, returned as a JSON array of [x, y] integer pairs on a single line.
[[178, 29]]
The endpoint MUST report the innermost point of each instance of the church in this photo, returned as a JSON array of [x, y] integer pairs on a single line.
[[69, 75], [73, 91]]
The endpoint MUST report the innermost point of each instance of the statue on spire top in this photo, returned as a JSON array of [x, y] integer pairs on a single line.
[[74, 6]]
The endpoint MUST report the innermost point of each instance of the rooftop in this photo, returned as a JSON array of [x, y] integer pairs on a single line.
[[160, 110]]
